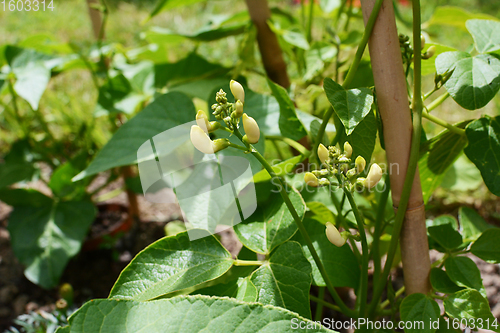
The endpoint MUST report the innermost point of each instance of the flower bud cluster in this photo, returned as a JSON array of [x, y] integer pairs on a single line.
[[338, 163], [230, 114]]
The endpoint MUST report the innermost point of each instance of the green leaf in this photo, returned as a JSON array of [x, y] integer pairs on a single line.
[[487, 247], [462, 176], [485, 34], [171, 264], [472, 225], [464, 272], [419, 308], [270, 225], [191, 68], [31, 82], [363, 137], [475, 79], [61, 182], [340, 263], [470, 304], [18, 164], [242, 289], [290, 125], [281, 169], [24, 198], [44, 238], [446, 327], [317, 58], [443, 151], [186, 314], [484, 150], [428, 66], [350, 105], [444, 232], [166, 112], [164, 5], [285, 280], [454, 17], [442, 283], [320, 211]]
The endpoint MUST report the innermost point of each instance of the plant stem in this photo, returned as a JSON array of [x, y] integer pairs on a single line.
[[437, 102], [319, 309], [325, 303], [238, 262], [443, 123], [386, 303], [310, 22], [352, 69], [237, 146], [292, 143], [363, 294], [417, 106], [339, 206], [379, 221]]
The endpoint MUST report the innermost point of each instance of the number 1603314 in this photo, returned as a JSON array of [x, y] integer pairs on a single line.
[[27, 5]]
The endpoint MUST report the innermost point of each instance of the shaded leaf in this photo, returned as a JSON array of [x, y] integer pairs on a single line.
[[285, 280], [419, 308], [442, 283], [472, 225], [281, 169], [487, 247], [464, 272]]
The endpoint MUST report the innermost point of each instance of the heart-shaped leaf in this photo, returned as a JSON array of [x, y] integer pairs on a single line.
[[171, 264], [351, 105], [187, 314], [464, 272], [271, 225], [419, 308], [484, 150], [475, 79], [485, 34], [285, 280]]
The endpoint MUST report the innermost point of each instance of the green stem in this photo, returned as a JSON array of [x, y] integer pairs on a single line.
[[386, 303], [339, 206], [310, 22], [352, 69], [292, 143], [443, 123], [238, 146], [417, 106], [437, 102], [325, 303], [379, 221], [319, 309], [363, 293], [238, 262], [278, 150]]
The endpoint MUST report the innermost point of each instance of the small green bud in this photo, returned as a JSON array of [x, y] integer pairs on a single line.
[[323, 153], [251, 128], [430, 52], [334, 235], [237, 91], [220, 97], [351, 173], [311, 179], [320, 173]]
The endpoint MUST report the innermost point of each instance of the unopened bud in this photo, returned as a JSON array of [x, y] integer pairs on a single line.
[[323, 153], [311, 179], [430, 52], [360, 163], [251, 128], [237, 90], [220, 144], [238, 108], [202, 121], [374, 176], [422, 41], [347, 149], [333, 235], [201, 140]]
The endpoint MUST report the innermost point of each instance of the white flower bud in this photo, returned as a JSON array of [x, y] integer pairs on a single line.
[[422, 41], [238, 108], [201, 140], [323, 153], [237, 91], [333, 235], [202, 121], [360, 163], [374, 176], [311, 179], [251, 128], [430, 52], [347, 149]]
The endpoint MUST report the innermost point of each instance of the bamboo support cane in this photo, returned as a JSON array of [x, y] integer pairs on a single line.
[[270, 50], [95, 17], [392, 99]]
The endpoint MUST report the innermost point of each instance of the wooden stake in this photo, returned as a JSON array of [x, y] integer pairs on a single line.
[[95, 17], [270, 50], [392, 99]]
